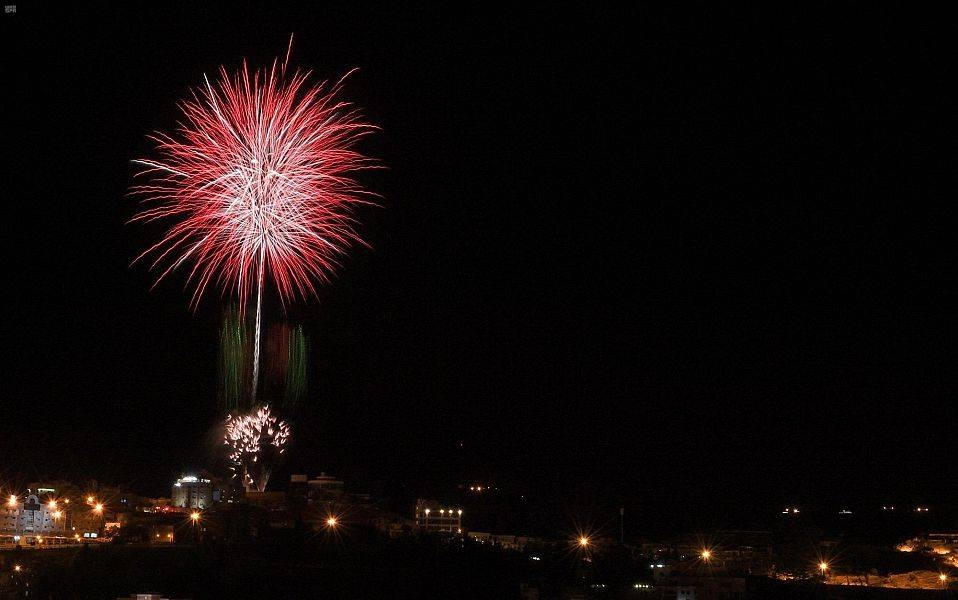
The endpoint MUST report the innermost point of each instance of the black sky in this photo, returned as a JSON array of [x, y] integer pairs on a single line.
[[687, 257]]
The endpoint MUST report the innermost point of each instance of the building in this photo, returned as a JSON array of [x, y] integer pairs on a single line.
[[430, 516], [298, 487], [191, 491], [28, 520], [325, 487]]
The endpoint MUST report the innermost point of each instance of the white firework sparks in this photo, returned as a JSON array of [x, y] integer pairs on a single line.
[[250, 438]]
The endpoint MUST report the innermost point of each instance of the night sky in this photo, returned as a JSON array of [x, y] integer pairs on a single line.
[[685, 262]]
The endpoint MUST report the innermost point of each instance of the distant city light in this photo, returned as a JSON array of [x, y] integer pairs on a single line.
[[195, 516], [52, 504], [98, 508], [17, 568], [706, 554], [943, 578], [331, 521], [12, 501], [823, 566], [583, 541], [90, 499], [57, 514]]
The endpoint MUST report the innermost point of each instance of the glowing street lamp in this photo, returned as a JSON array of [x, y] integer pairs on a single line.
[[943, 578], [583, 542], [90, 499], [17, 568], [823, 566], [98, 508], [52, 504], [12, 501], [332, 522], [195, 516], [57, 514], [706, 554]]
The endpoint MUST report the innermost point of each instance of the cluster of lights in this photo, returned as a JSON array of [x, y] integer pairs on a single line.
[[189, 479], [443, 511], [53, 505], [921, 509], [844, 511], [887, 508], [657, 566], [791, 510], [642, 586]]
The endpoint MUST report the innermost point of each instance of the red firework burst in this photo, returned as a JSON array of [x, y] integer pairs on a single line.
[[256, 184]]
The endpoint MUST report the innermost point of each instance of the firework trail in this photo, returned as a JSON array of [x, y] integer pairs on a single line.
[[233, 360], [256, 185], [284, 360], [253, 440]]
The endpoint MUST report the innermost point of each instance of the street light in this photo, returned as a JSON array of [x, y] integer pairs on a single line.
[[12, 501], [332, 522], [195, 516], [583, 541], [706, 555], [942, 578], [98, 509], [823, 566]]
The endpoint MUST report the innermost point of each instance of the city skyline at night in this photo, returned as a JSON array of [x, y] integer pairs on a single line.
[[621, 268]]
